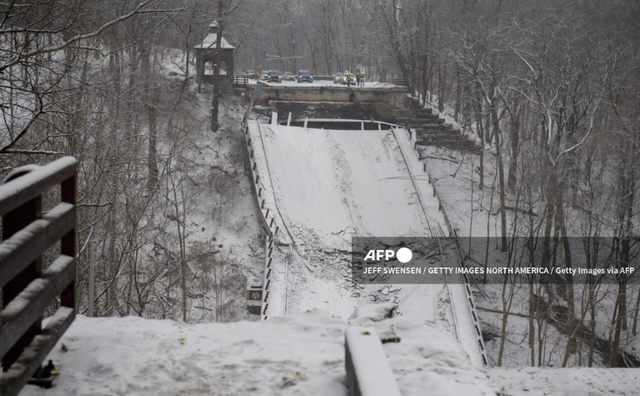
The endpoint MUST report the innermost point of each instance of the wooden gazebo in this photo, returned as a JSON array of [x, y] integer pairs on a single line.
[[206, 53]]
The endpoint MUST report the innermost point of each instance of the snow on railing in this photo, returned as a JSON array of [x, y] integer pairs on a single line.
[[240, 81], [467, 285], [453, 233], [268, 223], [368, 370], [27, 290]]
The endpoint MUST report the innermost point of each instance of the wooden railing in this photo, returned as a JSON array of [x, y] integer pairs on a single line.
[[400, 81], [27, 290], [240, 81]]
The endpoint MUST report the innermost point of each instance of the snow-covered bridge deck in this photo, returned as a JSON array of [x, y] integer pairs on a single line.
[[325, 186], [330, 181]]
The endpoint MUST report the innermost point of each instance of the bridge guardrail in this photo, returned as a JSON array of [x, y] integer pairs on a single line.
[[268, 223], [400, 81], [240, 81], [467, 285], [27, 289]]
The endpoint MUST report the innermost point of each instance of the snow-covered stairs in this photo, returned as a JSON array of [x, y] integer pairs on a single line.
[[432, 130]]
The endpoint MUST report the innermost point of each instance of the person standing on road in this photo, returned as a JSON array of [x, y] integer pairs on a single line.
[[361, 80], [349, 80]]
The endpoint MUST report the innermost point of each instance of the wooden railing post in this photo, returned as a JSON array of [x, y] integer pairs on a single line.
[[68, 242]]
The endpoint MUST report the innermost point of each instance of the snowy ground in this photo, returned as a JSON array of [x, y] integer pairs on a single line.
[[452, 173], [295, 355], [565, 382]]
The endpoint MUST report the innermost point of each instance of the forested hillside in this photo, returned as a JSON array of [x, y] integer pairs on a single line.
[[549, 89]]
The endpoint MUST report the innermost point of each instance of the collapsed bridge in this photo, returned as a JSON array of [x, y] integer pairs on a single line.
[[317, 188]]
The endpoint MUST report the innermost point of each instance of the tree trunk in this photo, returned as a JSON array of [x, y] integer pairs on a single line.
[[151, 99], [515, 142], [503, 213], [215, 102]]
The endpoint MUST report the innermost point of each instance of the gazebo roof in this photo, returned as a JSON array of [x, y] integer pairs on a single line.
[[210, 41], [211, 38]]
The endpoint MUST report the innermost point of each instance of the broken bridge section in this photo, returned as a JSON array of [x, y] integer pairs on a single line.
[[325, 186]]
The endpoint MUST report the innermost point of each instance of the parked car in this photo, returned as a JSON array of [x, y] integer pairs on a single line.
[[304, 76], [337, 78], [250, 74], [264, 76], [344, 78], [286, 76], [274, 76]]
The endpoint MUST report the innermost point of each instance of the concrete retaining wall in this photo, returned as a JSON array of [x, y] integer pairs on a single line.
[[387, 102]]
